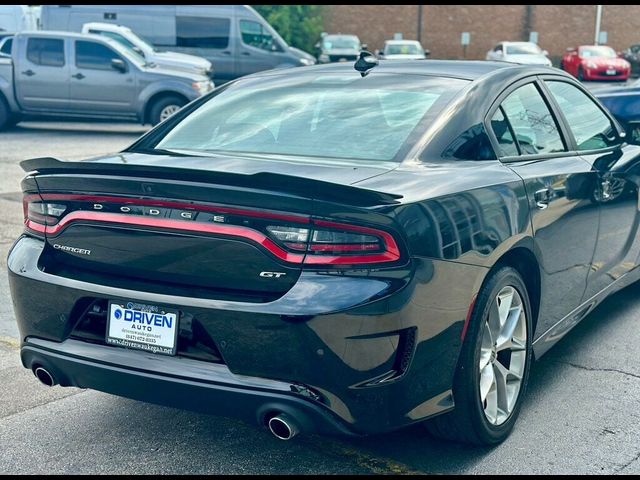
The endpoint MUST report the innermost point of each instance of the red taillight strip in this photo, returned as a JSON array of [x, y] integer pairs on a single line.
[[138, 221], [343, 247], [392, 249], [181, 205]]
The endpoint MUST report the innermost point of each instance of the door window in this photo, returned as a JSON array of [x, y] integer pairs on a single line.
[[202, 32], [591, 128], [48, 52], [532, 122], [256, 35], [94, 56]]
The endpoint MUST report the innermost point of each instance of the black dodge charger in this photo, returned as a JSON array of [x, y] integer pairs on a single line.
[[334, 250]]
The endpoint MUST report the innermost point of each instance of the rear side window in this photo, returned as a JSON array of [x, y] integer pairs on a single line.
[[116, 36], [500, 127], [48, 52], [591, 128], [6, 46], [94, 56], [202, 32], [254, 34], [534, 126]]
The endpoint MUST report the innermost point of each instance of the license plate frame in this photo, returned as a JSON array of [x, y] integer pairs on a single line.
[[147, 327]]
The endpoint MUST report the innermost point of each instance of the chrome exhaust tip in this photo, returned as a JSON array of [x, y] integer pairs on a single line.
[[283, 427], [44, 376]]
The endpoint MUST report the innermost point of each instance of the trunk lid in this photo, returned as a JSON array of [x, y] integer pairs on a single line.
[[140, 221]]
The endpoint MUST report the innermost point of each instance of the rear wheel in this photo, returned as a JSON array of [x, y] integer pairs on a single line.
[[164, 107], [493, 368], [580, 74], [5, 115]]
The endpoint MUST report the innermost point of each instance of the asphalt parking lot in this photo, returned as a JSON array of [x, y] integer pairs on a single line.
[[581, 414]]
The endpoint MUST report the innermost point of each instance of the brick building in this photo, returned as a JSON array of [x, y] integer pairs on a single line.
[[558, 26]]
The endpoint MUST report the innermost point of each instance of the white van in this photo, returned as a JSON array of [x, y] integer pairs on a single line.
[[18, 18], [235, 38]]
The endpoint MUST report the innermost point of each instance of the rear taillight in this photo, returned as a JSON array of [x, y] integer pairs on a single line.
[[329, 243], [39, 214], [293, 238]]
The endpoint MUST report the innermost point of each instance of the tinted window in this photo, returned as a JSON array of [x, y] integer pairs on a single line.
[[202, 32], [335, 116], [6, 46], [46, 51], [94, 55], [254, 34], [591, 128], [116, 36], [533, 124], [500, 127]]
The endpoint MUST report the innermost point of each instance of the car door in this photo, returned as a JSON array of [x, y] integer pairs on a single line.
[[209, 37], [559, 185], [97, 87], [259, 50], [618, 165], [42, 74]]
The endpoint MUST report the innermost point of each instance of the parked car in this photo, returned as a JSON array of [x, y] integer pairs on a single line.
[[18, 18], [595, 62], [63, 74], [403, 50], [624, 104], [319, 250], [632, 55], [234, 38], [151, 54], [526, 53], [339, 48]]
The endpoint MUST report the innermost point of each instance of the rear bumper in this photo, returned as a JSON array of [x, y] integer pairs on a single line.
[[176, 382], [350, 353]]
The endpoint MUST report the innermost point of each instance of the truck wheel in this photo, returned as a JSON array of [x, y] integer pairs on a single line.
[[493, 368], [5, 115], [164, 108]]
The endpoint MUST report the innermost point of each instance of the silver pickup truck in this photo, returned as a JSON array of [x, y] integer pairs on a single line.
[[78, 75]]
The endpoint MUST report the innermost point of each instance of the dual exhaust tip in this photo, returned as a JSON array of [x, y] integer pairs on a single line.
[[282, 426], [45, 377]]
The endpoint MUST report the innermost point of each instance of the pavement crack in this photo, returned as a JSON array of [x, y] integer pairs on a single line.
[[376, 465], [595, 369], [634, 459]]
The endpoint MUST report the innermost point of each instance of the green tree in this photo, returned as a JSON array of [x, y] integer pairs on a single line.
[[299, 25]]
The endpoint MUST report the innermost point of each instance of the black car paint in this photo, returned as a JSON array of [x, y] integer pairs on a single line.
[[339, 339]]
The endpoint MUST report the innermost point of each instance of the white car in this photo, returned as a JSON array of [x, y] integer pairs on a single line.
[[403, 50], [173, 60], [526, 53]]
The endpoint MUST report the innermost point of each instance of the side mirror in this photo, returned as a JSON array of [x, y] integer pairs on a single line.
[[545, 53], [427, 52], [119, 65], [364, 47], [317, 45], [138, 50]]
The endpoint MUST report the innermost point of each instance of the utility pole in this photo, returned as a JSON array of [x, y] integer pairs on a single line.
[[598, 21], [419, 23]]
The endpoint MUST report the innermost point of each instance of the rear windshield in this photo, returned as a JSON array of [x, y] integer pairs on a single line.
[[403, 49], [523, 49], [334, 116]]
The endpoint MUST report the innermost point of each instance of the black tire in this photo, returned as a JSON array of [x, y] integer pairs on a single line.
[[467, 423], [561, 65], [155, 114], [581, 74], [5, 115]]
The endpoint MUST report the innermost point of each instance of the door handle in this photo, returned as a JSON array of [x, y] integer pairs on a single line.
[[29, 73], [226, 52], [246, 54], [542, 198], [79, 76]]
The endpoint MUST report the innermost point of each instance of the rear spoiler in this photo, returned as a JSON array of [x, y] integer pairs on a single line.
[[303, 187]]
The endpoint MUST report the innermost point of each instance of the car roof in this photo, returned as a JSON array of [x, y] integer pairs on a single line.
[[462, 69], [400, 42]]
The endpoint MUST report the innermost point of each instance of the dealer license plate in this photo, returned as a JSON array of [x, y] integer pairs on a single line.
[[141, 326], [611, 72]]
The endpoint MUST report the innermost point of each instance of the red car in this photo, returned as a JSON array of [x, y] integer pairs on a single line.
[[595, 62]]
